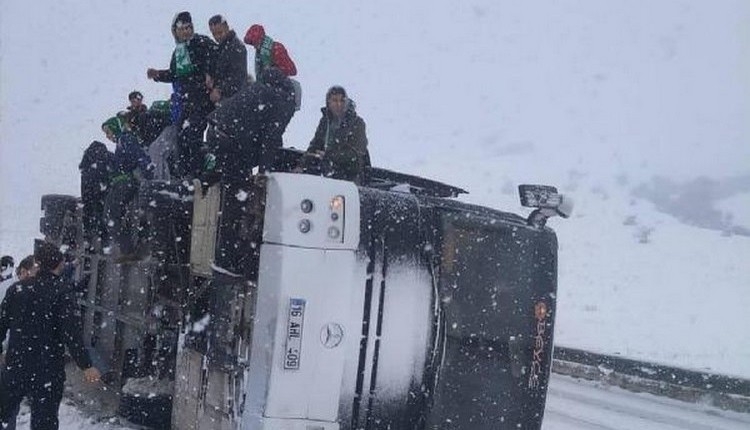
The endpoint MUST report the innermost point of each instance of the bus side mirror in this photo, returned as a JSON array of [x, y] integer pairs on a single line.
[[548, 202]]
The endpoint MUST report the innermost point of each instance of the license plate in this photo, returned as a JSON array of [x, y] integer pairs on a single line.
[[293, 347]]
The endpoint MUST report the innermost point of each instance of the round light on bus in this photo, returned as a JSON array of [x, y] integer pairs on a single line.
[[304, 225], [306, 206], [334, 232], [334, 216]]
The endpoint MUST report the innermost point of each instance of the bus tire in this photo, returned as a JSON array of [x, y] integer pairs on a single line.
[[149, 411]]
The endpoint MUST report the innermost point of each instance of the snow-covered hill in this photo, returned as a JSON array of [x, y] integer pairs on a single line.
[[630, 107]]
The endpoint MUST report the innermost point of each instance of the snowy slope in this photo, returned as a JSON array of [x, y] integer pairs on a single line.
[[597, 98]]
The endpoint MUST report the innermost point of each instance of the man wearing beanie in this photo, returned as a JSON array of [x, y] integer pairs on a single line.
[[188, 71], [43, 318]]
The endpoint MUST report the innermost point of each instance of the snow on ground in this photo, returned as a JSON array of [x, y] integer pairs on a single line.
[[71, 418], [576, 404], [571, 405]]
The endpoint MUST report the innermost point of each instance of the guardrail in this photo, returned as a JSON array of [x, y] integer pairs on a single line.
[[688, 385]]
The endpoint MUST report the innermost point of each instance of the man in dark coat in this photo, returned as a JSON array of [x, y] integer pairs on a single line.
[[43, 318], [246, 132], [96, 170], [340, 141], [130, 165], [26, 269], [229, 70], [188, 69], [135, 108], [147, 123]]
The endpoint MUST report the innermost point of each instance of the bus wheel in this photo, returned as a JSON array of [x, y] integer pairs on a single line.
[[152, 411]]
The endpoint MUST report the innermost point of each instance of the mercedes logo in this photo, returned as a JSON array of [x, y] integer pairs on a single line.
[[331, 335]]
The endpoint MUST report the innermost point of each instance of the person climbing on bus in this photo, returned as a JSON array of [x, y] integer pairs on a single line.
[[96, 172], [246, 132], [130, 167]]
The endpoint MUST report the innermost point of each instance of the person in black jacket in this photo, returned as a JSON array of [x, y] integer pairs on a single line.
[[130, 165], [229, 70], [246, 132], [340, 141], [43, 318], [188, 70], [146, 123], [96, 169]]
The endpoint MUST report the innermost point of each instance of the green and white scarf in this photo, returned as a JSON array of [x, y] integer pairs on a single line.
[[183, 65]]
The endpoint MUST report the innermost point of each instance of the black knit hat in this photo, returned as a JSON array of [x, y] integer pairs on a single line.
[[48, 256], [182, 18]]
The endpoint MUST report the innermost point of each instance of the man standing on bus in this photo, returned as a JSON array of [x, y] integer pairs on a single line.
[[188, 70], [229, 70]]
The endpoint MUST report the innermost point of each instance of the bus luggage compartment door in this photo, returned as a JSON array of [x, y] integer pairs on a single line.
[[306, 329]]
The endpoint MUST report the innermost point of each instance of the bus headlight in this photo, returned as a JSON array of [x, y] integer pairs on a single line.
[[306, 206], [337, 204]]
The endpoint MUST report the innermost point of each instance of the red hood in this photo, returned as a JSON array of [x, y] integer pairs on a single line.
[[255, 35]]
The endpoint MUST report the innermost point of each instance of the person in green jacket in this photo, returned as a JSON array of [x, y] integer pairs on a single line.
[[340, 141]]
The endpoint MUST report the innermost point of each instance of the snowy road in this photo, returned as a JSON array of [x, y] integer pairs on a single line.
[[571, 405], [584, 405]]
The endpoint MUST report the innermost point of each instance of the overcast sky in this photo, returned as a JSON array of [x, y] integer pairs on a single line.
[[632, 86]]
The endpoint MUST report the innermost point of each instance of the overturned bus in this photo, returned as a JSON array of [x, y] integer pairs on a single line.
[[388, 305]]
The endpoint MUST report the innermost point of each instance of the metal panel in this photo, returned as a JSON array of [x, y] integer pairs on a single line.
[[205, 221], [187, 390]]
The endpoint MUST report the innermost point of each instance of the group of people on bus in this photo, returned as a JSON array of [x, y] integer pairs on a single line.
[[220, 124]]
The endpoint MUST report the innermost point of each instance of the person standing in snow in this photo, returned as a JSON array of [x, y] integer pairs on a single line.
[[229, 70], [340, 141], [43, 319], [188, 70], [26, 269], [6, 267], [96, 170], [130, 165]]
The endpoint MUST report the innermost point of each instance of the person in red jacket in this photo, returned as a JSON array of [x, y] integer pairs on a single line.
[[268, 52]]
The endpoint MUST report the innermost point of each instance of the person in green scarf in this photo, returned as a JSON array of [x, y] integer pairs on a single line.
[[188, 69]]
